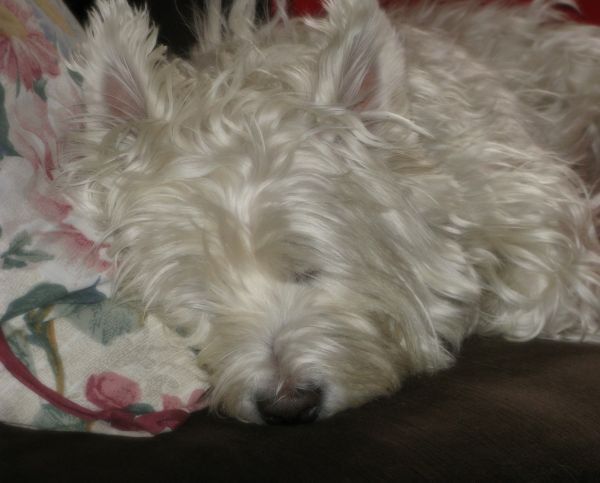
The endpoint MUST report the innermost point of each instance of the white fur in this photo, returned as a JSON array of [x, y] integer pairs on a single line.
[[338, 202]]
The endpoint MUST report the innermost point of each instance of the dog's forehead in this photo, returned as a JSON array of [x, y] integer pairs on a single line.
[[249, 124], [268, 69]]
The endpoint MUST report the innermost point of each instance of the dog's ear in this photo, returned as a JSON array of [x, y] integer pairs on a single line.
[[362, 65], [120, 64]]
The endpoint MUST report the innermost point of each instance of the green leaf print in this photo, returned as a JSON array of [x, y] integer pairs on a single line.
[[140, 408], [6, 148], [20, 348], [42, 334], [84, 296], [39, 87], [18, 256], [38, 310], [87, 309], [40, 296], [104, 321], [50, 417]]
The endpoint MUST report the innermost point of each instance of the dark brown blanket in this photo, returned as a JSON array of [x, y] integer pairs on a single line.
[[505, 412]]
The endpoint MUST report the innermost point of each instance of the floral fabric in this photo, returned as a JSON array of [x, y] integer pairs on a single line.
[[55, 307]]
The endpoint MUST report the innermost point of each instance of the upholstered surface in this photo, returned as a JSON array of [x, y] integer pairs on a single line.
[[505, 412]]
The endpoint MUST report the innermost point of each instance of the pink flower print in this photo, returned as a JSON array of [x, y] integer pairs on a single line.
[[51, 209], [25, 53], [157, 422], [196, 401], [79, 247], [109, 390], [31, 133], [171, 402]]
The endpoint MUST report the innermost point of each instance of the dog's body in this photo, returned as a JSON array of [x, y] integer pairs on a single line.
[[328, 205]]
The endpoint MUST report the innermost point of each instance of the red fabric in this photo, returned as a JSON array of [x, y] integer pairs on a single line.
[[590, 9]]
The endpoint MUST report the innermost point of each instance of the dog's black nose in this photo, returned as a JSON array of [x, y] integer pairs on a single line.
[[297, 407]]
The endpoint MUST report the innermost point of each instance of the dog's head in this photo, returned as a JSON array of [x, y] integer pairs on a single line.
[[262, 197]]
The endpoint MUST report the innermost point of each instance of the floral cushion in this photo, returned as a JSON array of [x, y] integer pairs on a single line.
[[71, 356]]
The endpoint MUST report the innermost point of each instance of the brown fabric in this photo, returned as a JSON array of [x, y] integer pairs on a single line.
[[505, 412]]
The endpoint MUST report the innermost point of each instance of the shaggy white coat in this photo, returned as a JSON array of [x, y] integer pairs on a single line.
[[338, 202]]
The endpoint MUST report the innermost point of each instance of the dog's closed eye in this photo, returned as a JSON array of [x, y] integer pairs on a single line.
[[306, 276]]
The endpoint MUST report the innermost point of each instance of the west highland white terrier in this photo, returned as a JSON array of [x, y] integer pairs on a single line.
[[326, 206]]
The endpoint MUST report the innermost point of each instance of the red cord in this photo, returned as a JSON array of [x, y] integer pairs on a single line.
[[154, 422]]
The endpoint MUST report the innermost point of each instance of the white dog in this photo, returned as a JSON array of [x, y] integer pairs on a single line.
[[326, 206]]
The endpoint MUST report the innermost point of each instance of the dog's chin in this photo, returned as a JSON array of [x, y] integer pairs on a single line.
[[332, 399], [300, 389]]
